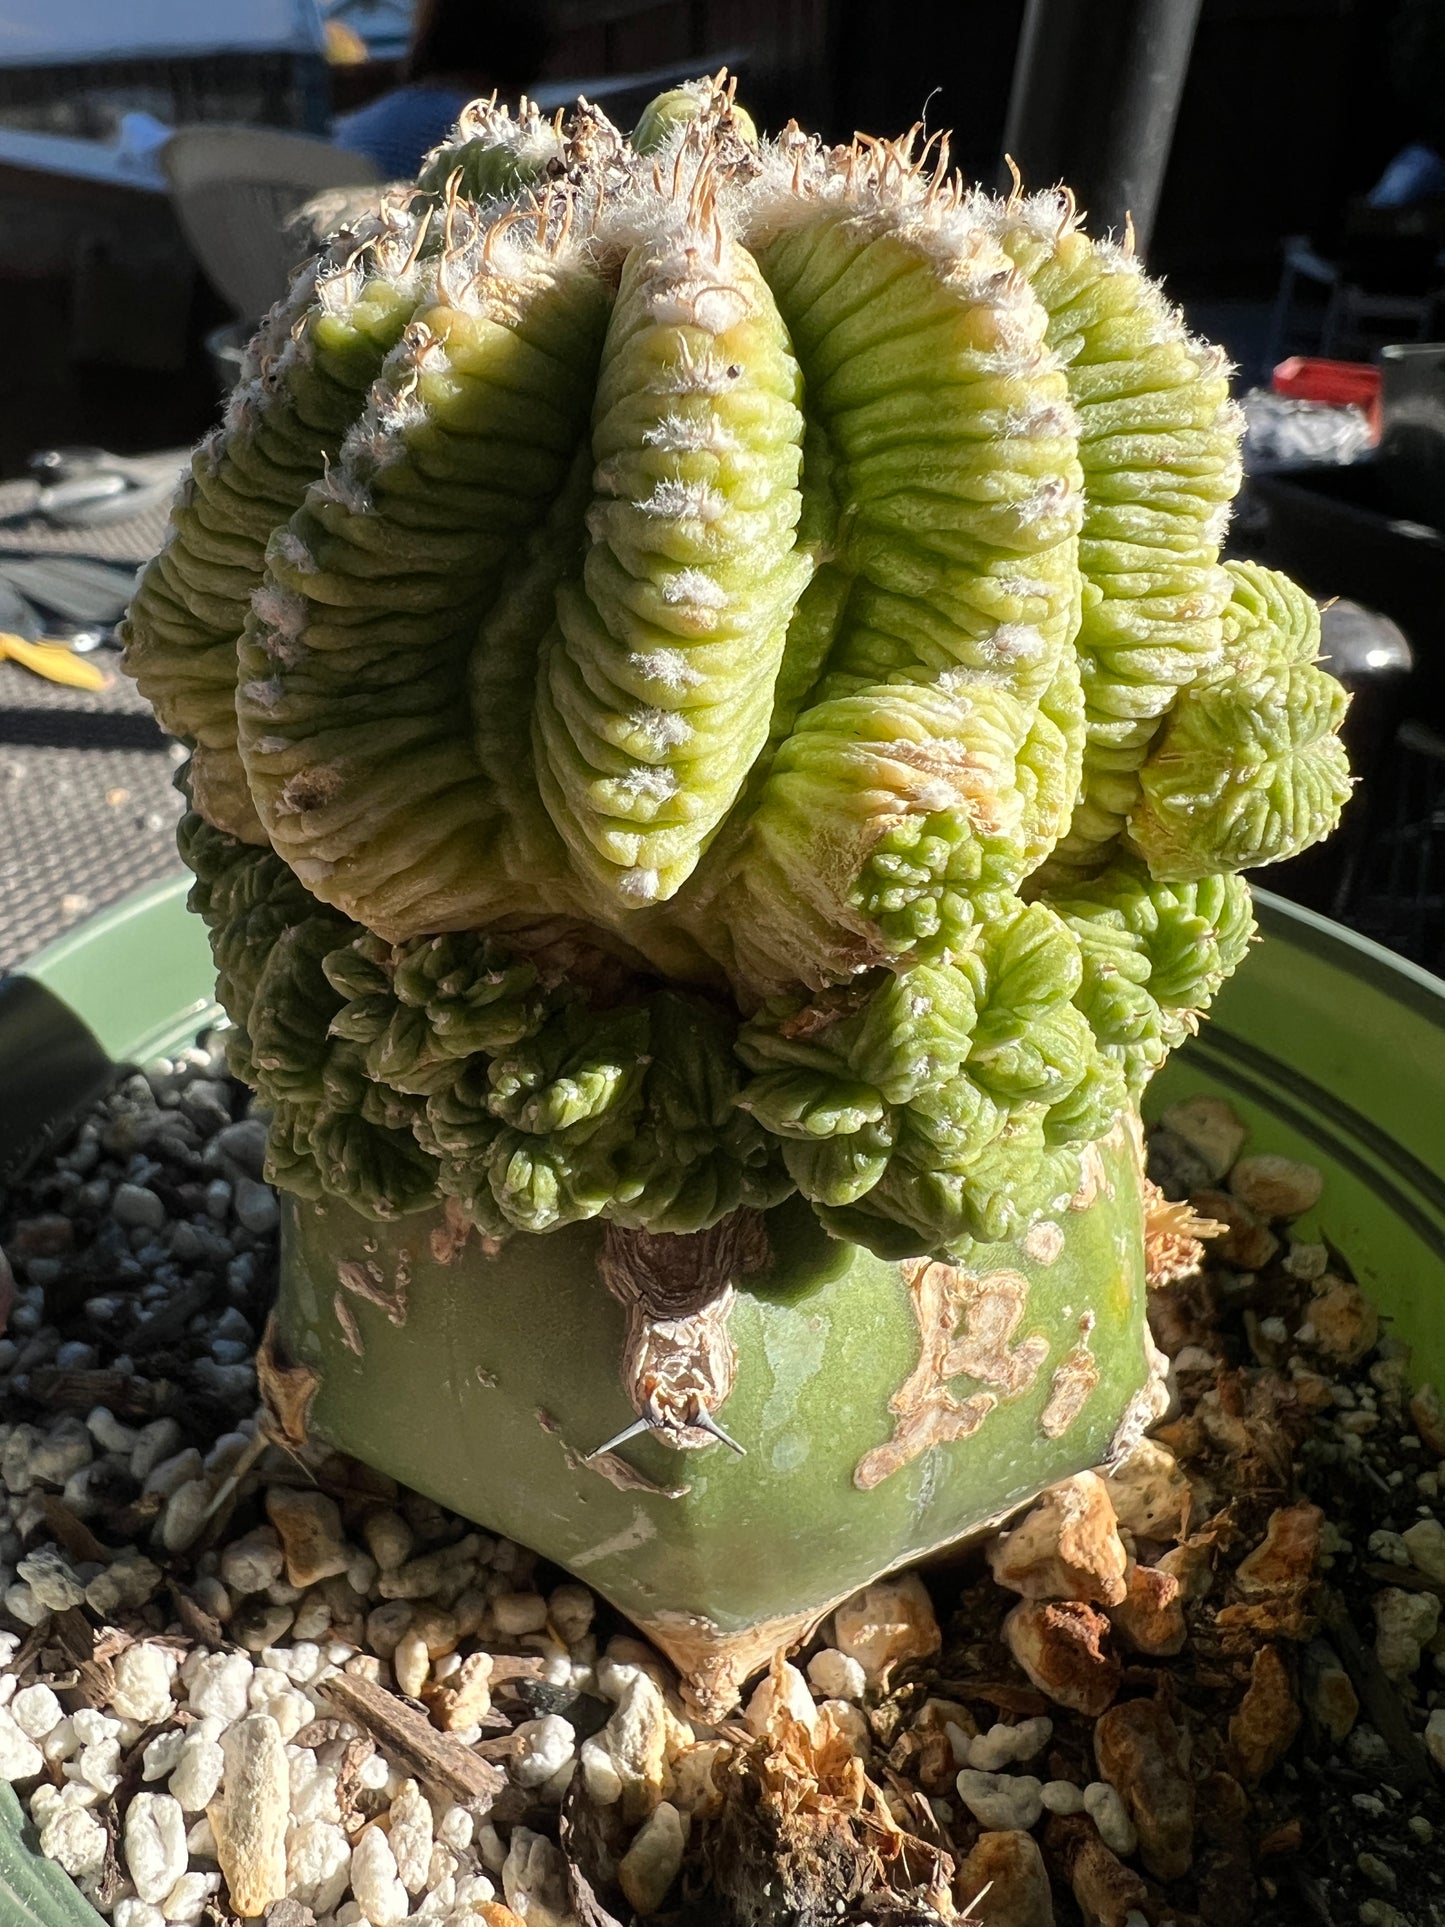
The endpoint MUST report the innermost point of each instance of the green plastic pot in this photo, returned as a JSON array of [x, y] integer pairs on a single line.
[[1331, 1049]]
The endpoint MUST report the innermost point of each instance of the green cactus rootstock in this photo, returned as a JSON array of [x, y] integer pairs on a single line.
[[713, 692]]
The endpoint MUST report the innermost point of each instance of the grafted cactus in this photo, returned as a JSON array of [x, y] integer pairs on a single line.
[[721, 735]]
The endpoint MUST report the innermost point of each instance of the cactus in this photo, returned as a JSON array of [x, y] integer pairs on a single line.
[[723, 748]]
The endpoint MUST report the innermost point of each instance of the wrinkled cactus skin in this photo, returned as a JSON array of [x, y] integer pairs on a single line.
[[710, 676]]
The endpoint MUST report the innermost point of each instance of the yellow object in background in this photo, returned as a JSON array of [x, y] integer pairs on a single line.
[[54, 661], [344, 45]]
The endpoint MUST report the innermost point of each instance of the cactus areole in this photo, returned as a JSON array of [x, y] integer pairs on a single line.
[[723, 751]]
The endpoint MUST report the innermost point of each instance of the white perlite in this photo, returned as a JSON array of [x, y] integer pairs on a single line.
[[36, 1710], [837, 1676], [375, 1881], [1109, 1814], [411, 1835], [198, 1770], [318, 1864], [161, 1754], [249, 1564], [75, 1840], [220, 1685], [142, 1684], [783, 1692], [20, 1757], [155, 1844], [1009, 1745], [543, 1747], [1003, 1800]]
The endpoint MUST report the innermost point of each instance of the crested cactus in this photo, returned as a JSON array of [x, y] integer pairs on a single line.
[[723, 751]]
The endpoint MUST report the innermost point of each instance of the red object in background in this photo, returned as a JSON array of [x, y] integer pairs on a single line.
[[1344, 383]]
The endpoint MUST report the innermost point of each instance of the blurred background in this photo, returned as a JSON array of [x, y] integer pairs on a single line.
[[1282, 162]]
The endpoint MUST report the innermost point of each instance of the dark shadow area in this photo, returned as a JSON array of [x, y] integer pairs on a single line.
[[72, 729], [54, 1067]]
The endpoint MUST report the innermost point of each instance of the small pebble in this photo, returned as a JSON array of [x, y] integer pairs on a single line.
[[136, 1207], [255, 1206], [514, 1613]]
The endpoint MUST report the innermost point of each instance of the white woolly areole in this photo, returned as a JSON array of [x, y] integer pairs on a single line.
[[651, 785], [1022, 588], [694, 589], [660, 729], [932, 794], [263, 695], [243, 407], [288, 547], [670, 667], [639, 886], [1039, 419], [393, 412], [280, 610], [1054, 499], [687, 435], [341, 485], [1216, 524], [684, 501], [1014, 642]]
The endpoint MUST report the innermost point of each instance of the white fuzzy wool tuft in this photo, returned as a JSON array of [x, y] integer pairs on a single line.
[[661, 729], [694, 589], [670, 667], [288, 547], [281, 611], [685, 435], [684, 501], [1014, 642], [263, 695], [339, 484], [639, 886], [653, 785]]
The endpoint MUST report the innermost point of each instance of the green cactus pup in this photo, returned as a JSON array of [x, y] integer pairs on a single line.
[[723, 753]]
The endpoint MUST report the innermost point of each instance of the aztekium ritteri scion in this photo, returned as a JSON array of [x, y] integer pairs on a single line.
[[723, 757]]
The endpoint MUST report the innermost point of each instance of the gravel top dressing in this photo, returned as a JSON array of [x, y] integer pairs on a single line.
[[244, 1682]]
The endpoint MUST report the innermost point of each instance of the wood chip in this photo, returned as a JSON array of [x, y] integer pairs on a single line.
[[202, 1626], [73, 1533], [89, 1658], [127, 1397], [409, 1738], [515, 1666]]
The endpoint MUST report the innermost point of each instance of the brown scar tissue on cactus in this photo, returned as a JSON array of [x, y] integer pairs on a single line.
[[723, 753]]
